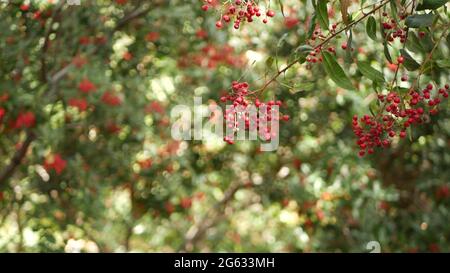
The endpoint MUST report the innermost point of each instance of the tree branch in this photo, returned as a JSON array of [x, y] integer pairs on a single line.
[[17, 158], [382, 4], [196, 232], [47, 41], [138, 12]]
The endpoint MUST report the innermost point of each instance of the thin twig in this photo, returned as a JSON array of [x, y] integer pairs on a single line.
[[197, 231], [17, 158], [320, 45]]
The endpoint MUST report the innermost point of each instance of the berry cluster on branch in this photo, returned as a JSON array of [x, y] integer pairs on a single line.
[[238, 12]]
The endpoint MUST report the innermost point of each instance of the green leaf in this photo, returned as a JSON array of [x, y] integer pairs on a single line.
[[371, 28], [443, 63], [371, 111], [348, 51], [419, 20], [334, 70], [301, 87], [413, 43], [427, 43], [394, 11], [431, 4], [308, 86], [322, 13], [386, 52], [368, 71], [382, 32], [312, 25], [301, 52], [409, 62], [301, 59], [269, 61], [282, 40], [281, 7], [304, 49]]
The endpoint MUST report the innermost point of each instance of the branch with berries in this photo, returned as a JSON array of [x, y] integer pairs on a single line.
[[318, 47], [372, 131]]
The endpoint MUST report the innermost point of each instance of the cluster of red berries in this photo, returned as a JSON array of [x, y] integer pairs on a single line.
[[112, 127], [238, 112], [55, 162], [376, 131], [111, 99], [25, 119], [37, 14], [184, 204], [443, 192], [155, 107], [152, 36], [315, 56], [212, 56], [81, 104], [3, 98], [97, 40], [2, 113], [317, 34], [86, 87], [240, 11], [393, 30], [291, 22], [370, 132]]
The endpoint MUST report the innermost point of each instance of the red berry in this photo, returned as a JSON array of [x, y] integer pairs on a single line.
[[2, 113], [400, 60], [56, 163], [270, 13], [219, 24], [205, 7], [24, 7]]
